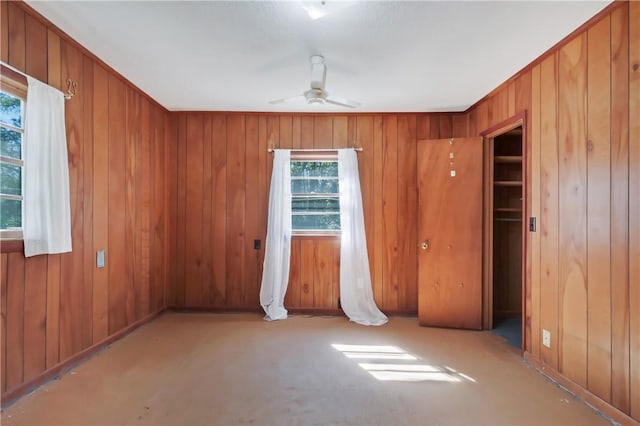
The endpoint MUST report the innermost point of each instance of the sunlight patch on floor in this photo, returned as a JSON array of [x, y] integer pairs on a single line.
[[404, 367]]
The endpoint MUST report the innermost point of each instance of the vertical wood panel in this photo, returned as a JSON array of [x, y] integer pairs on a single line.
[[620, 349], [4, 36], [236, 178], [15, 320], [181, 214], [53, 311], [194, 200], [378, 278], [407, 213], [206, 271], [306, 132], [35, 312], [72, 271], [306, 272], [159, 176], [390, 188], [365, 140], [323, 274], [634, 204], [87, 208], [264, 165], [219, 207], [36, 52], [322, 131], [252, 256], [340, 132], [295, 132], [318, 269], [17, 35], [3, 317], [549, 207], [52, 327], [132, 241], [143, 183], [292, 297], [171, 206], [459, 123], [598, 211], [116, 202], [573, 220], [100, 207], [533, 286]]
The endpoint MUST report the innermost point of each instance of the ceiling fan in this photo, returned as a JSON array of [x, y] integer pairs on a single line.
[[316, 95]]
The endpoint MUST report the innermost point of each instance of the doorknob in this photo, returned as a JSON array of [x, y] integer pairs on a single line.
[[424, 245]]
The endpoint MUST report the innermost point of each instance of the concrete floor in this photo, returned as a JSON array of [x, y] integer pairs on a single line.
[[204, 369]]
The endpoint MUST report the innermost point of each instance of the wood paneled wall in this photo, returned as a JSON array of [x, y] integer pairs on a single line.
[[54, 307], [223, 185], [583, 273]]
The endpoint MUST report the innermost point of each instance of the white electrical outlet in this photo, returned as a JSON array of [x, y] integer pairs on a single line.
[[100, 259], [546, 338]]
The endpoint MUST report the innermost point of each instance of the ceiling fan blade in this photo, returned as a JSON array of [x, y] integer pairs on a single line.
[[341, 102], [287, 100]]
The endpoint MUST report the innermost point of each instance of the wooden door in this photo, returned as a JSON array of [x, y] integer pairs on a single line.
[[450, 228]]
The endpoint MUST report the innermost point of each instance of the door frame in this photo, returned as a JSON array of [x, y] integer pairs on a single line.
[[489, 135]]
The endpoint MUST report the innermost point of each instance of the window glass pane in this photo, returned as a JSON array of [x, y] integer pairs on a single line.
[[319, 205], [10, 143], [10, 110], [10, 179], [316, 222], [10, 213], [314, 168], [314, 186]]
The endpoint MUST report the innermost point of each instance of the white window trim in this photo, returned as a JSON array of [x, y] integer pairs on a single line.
[[322, 155], [19, 91]]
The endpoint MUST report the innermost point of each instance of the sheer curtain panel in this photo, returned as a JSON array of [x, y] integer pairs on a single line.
[[356, 295], [275, 274], [46, 206]]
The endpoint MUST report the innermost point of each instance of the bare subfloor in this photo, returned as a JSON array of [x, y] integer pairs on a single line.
[[203, 369]]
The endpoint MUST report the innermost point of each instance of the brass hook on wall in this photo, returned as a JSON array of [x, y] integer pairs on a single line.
[[72, 88]]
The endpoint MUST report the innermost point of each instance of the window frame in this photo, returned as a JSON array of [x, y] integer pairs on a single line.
[[315, 156], [15, 85]]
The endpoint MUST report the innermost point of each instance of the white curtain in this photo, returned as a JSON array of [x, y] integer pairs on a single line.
[[275, 274], [356, 296], [46, 225]]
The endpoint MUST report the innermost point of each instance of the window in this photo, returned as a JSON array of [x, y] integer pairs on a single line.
[[315, 196], [11, 161]]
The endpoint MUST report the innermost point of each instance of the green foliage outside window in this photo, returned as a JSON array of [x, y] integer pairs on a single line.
[[11, 112], [315, 204]]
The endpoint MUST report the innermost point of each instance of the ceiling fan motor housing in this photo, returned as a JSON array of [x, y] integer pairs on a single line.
[[318, 72]]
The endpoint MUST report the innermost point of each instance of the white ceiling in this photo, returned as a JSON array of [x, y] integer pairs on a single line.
[[390, 56]]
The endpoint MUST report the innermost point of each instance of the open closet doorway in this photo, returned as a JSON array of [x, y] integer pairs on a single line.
[[505, 232]]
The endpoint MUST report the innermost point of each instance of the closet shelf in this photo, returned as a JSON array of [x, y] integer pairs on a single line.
[[508, 159], [507, 183], [508, 209]]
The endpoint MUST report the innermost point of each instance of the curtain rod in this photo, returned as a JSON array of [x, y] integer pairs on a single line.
[[355, 148], [72, 86]]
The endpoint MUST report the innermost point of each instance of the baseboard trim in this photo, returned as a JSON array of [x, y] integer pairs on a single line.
[[292, 311], [26, 387], [592, 400]]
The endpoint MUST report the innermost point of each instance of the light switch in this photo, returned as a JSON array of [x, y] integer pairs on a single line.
[[100, 259]]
